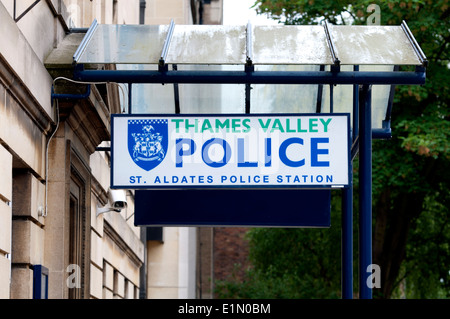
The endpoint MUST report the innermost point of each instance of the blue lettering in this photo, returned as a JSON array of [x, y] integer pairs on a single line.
[[135, 179], [315, 152], [241, 155], [179, 153], [283, 147], [226, 149], [268, 155]]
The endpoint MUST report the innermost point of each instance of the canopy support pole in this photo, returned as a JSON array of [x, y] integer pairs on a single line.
[[347, 239], [347, 207], [130, 101], [365, 192], [176, 93]]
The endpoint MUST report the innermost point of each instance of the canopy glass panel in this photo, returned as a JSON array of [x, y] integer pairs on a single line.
[[290, 45], [370, 45], [262, 48], [272, 45], [124, 44]]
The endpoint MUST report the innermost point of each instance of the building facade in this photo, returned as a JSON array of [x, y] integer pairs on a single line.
[[180, 259], [54, 180], [55, 238]]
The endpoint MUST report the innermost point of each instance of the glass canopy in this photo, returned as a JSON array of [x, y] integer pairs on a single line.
[[225, 45], [264, 48]]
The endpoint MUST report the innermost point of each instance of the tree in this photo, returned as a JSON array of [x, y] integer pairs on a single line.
[[290, 263], [411, 171]]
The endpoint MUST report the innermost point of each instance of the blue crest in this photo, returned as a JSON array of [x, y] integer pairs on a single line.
[[147, 142]]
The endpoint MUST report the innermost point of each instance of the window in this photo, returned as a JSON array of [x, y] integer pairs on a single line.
[[79, 226]]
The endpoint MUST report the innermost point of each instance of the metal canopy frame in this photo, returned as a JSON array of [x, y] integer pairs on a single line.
[[361, 81]]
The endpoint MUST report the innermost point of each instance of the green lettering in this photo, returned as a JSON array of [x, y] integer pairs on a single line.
[[246, 125], [277, 126], [288, 126], [220, 125], [195, 125], [299, 126], [235, 124], [325, 124], [207, 126], [177, 124], [312, 125], [266, 126]]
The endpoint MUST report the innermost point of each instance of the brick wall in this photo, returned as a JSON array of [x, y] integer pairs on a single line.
[[230, 249]]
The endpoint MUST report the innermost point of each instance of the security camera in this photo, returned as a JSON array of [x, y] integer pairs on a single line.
[[117, 201]]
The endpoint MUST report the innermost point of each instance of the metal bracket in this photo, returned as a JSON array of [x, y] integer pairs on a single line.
[[176, 93], [320, 93], [162, 67], [249, 43], [414, 44], [337, 63], [106, 209], [71, 96], [85, 41], [249, 67]]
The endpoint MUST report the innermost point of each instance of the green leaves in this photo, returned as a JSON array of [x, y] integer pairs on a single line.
[[411, 176], [290, 263], [426, 137]]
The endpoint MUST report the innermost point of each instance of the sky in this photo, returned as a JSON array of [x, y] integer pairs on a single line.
[[238, 12]]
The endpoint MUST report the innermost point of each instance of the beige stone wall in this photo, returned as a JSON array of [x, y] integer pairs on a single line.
[[171, 264], [213, 12], [81, 12], [163, 11], [114, 252], [27, 66], [5, 221], [27, 119]]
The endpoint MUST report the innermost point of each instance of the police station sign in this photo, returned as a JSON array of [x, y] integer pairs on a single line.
[[230, 150]]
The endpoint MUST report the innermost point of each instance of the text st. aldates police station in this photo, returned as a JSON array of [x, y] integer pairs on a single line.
[[230, 151]]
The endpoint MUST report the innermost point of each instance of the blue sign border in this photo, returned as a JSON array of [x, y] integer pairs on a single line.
[[168, 115]]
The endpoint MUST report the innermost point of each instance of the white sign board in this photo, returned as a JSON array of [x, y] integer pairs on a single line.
[[230, 150]]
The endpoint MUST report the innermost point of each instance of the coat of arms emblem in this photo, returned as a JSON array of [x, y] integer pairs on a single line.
[[147, 142]]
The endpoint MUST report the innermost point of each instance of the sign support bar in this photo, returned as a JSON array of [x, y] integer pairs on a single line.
[[347, 207], [257, 77], [365, 192], [347, 240]]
